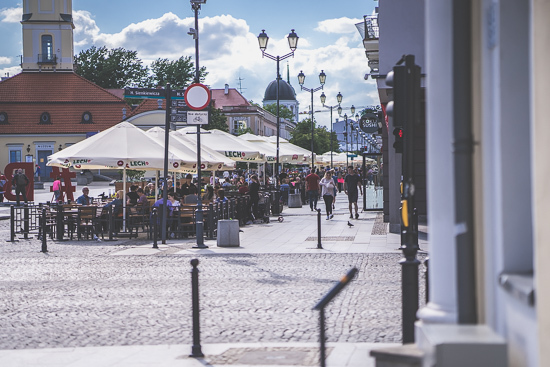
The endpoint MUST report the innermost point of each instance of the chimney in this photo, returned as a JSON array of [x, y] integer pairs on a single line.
[[124, 113], [226, 91]]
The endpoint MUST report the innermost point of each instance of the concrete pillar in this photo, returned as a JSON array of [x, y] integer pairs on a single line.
[[442, 307]]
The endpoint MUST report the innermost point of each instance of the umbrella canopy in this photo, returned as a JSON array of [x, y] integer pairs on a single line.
[[286, 154], [291, 148], [121, 146], [210, 159], [226, 144]]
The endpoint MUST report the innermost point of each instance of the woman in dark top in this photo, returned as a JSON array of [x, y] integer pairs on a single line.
[[254, 191]]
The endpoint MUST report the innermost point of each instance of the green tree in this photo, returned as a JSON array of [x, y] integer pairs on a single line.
[[115, 68], [301, 136], [217, 121], [179, 73], [284, 111]]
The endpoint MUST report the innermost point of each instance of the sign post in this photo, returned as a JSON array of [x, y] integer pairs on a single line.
[[197, 97]]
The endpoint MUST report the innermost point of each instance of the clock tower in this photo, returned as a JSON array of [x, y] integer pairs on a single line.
[[47, 36]]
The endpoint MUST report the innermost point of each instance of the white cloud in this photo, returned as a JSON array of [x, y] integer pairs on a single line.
[[5, 60], [11, 15], [338, 25], [230, 51], [10, 71]]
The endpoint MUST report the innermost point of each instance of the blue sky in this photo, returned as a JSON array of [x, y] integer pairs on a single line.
[[229, 49]]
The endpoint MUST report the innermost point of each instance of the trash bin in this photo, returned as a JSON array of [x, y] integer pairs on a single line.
[[228, 233], [295, 200]]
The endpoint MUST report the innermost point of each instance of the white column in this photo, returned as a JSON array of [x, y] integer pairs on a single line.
[[442, 307]]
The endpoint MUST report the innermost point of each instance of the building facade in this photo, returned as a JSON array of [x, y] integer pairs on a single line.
[[48, 107]]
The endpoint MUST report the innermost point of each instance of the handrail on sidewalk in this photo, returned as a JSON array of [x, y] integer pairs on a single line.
[[320, 306]]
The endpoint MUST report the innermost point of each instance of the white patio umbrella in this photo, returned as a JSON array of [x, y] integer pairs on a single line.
[[287, 153], [220, 161], [210, 160], [226, 144], [291, 148], [122, 146]]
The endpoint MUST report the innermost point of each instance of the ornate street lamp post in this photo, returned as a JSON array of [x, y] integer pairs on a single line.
[[339, 100], [292, 43], [352, 109], [322, 79]]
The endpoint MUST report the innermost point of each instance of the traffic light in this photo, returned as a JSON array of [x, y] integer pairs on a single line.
[[398, 144], [397, 107]]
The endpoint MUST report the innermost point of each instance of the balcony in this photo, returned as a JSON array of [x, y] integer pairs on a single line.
[[47, 59]]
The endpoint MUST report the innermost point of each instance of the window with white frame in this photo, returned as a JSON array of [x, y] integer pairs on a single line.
[[15, 154], [239, 124]]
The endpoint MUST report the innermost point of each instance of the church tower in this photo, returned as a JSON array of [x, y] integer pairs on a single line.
[[47, 35]]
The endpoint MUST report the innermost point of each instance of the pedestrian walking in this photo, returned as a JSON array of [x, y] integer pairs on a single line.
[[312, 188], [352, 184], [3, 182], [254, 192], [56, 187], [328, 189], [37, 172], [20, 182]]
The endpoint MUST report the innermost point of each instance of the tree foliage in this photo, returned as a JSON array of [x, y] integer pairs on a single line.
[[217, 121], [180, 73], [301, 136], [115, 68], [119, 68], [284, 111]]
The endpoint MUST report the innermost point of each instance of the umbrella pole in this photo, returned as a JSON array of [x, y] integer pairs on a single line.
[[123, 200]]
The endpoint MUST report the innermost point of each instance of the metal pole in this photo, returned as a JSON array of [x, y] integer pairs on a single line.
[[312, 130], [44, 244], [322, 356], [347, 152], [319, 246], [199, 216], [278, 129], [166, 142], [196, 350], [331, 164], [155, 227]]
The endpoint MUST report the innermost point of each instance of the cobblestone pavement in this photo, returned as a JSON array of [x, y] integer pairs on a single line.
[[77, 295]]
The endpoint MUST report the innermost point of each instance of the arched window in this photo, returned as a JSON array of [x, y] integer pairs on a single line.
[[47, 49], [3, 118], [45, 118], [87, 118]]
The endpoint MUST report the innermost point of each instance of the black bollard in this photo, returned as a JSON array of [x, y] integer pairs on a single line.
[[409, 292], [319, 246], [59, 222], [196, 350], [12, 223], [26, 221], [44, 224], [323, 354], [155, 227]]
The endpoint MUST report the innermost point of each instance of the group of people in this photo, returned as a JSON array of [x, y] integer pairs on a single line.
[[327, 187]]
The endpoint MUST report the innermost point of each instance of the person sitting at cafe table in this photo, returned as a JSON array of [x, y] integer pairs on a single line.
[[132, 196], [116, 206], [84, 199], [142, 198], [192, 198], [209, 194], [243, 190], [221, 197]]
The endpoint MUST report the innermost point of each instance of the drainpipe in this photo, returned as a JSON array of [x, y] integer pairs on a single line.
[[463, 167]]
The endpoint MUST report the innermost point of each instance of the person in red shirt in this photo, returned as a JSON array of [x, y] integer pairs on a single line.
[[312, 189]]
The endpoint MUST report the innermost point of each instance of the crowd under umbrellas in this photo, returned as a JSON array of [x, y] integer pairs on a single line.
[[125, 146]]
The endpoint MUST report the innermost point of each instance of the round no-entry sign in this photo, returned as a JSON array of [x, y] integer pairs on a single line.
[[197, 96]]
